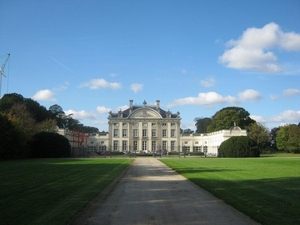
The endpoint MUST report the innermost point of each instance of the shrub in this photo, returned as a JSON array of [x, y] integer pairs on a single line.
[[241, 146], [50, 145], [10, 146]]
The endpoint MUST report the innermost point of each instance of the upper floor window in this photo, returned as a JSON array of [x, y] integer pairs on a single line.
[[116, 132], [135, 132], [153, 132], [164, 133], [144, 133], [124, 133], [164, 124], [172, 133]]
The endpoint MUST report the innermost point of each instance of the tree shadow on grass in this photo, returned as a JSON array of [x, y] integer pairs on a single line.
[[268, 201]]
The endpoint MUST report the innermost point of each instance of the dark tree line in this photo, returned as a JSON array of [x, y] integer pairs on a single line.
[[23, 118]]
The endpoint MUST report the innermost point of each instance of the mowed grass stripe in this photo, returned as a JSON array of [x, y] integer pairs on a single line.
[[52, 191], [266, 188]]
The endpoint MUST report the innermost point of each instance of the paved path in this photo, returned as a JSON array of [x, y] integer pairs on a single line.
[[151, 193]]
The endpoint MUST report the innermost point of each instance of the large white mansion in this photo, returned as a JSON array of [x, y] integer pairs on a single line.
[[148, 128]]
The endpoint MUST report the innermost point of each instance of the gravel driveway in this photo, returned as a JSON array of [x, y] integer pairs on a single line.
[[149, 192]]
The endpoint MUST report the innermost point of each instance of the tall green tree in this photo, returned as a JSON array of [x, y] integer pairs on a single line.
[[272, 137], [8, 100], [288, 138], [226, 117], [202, 124], [259, 133]]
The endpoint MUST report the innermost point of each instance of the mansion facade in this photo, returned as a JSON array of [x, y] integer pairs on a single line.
[[147, 129]]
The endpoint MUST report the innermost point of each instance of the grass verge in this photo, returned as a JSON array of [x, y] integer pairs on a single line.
[[267, 188], [52, 191]]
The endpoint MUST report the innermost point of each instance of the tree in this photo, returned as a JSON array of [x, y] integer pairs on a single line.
[[226, 117], [50, 145], [288, 138], [272, 137], [38, 112], [23, 122], [9, 139], [239, 146], [8, 100], [258, 133], [202, 124]]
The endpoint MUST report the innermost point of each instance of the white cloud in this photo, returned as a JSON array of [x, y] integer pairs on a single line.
[[205, 99], [136, 87], [288, 116], [252, 50], [44, 95], [258, 119], [81, 115], [208, 82], [291, 92], [123, 107], [101, 83], [274, 97], [103, 109], [112, 74], [249, 95]]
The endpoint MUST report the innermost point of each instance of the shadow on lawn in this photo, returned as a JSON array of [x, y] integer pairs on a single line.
[[268, 201]]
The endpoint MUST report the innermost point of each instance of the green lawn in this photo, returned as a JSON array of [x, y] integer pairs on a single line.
[[52, 191], [266, 188]]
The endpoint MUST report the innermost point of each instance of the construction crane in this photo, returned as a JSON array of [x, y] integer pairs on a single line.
[[2, 71]]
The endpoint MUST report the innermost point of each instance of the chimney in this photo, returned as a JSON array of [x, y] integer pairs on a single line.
[[158, 106], [130, 106]]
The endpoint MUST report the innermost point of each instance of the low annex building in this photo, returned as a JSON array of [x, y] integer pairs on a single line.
[[149, 128]]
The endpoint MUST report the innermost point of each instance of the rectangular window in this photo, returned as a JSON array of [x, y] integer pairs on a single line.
[[125, 124], [124, 133], [145, 124], [102, 148], [144, 133], [172, 145], [116, 133], [172, 133], [172, 124], [153, 132], [116, 147], [197, 149], [135, 146], [164, 124], [135, 124], [144, 145], [135, 132], [164, 133], [164, 143], [124, 146], [153, 146], [186, 148], [153, 124]]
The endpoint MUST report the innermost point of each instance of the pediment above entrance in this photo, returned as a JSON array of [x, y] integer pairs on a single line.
[[145, 113]]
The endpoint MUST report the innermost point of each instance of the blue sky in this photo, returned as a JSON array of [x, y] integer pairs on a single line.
[[196, 57]]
